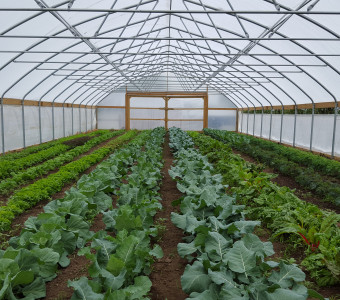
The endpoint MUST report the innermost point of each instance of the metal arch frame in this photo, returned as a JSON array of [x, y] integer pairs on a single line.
[[326, 89], [29, 72], [312, 77]]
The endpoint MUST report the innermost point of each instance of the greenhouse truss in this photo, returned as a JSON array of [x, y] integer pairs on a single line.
[[61, 58]]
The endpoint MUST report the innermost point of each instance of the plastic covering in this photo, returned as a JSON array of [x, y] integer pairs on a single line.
[[254, 52], [14, 137], [79, 51], [322, 136]]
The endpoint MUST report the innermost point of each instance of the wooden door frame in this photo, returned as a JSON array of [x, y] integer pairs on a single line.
[[166, 96]]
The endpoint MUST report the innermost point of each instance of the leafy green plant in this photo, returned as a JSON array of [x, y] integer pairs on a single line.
[[48, 239], [229, 261], [278, 208], [22, 177], [42, 189]]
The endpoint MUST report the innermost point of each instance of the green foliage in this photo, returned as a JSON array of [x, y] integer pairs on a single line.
[[47, 240], [119, 264], [230, 262], [42, 189], [22, 177], [302, 166], [33, 149], [300, 223]]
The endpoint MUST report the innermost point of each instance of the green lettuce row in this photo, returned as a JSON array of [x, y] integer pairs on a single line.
[[7, 168], [307, 177], [280, 210], [20, 178], [10, 167], [228, 261], [120, 265], [42, 189], [32, 149], [318, 163], [48, 239]]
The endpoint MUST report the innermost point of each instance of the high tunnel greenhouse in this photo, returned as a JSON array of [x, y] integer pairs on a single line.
[[169, 149]]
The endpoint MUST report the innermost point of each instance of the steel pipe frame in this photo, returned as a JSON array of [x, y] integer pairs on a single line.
[[119, 39], [30, 47], [335, 119], [294, 101], [171, 12], [271, 106], [53, 103]]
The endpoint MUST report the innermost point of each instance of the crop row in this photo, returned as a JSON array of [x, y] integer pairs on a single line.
[[8, 167], [32, 259], [120, 264], [19, 178], [42, 189], [33, 149], [227, 261], [307, 177], [318, 163], [299, 222]]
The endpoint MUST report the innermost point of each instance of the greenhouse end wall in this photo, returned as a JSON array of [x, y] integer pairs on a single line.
[[322, 130], [13, 124]]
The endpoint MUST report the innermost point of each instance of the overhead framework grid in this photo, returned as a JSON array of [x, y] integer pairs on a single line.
[[257, 53]]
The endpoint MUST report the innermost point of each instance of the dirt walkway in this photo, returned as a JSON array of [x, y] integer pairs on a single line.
[[167, 271]]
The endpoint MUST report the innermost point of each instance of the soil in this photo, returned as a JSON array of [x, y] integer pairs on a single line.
[[4, 198], [19, 221], [57, 288], [78, 141], [283, 250], [299, 191], [167, 271]]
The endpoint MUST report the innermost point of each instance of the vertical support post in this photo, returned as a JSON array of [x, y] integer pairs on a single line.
[[53, 135], [254, 121], [40, 129], [96, 117], [334, 127], [205, 111], [294, 133], [166, 109], [271, 121], [237, 112], [261, 122], [248, 121], [312, 128], [85, 118], [79, 118], [72, 119], [242, 121], [282, 111], [2, 126], [64, 119], [23, 123], [127, 112]]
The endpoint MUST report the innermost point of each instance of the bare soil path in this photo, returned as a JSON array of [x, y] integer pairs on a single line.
[[167, 271]]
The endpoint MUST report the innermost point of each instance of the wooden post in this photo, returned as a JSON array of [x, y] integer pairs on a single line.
[[205, 112], [236, 119], [166, 108], [127, 112]]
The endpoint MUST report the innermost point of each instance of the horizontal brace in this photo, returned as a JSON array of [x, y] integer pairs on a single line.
[[217, 65], [177, 108], [181, 54], [162, 38], [165, 11], [10, 101], [176, 120], [140, 119]]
